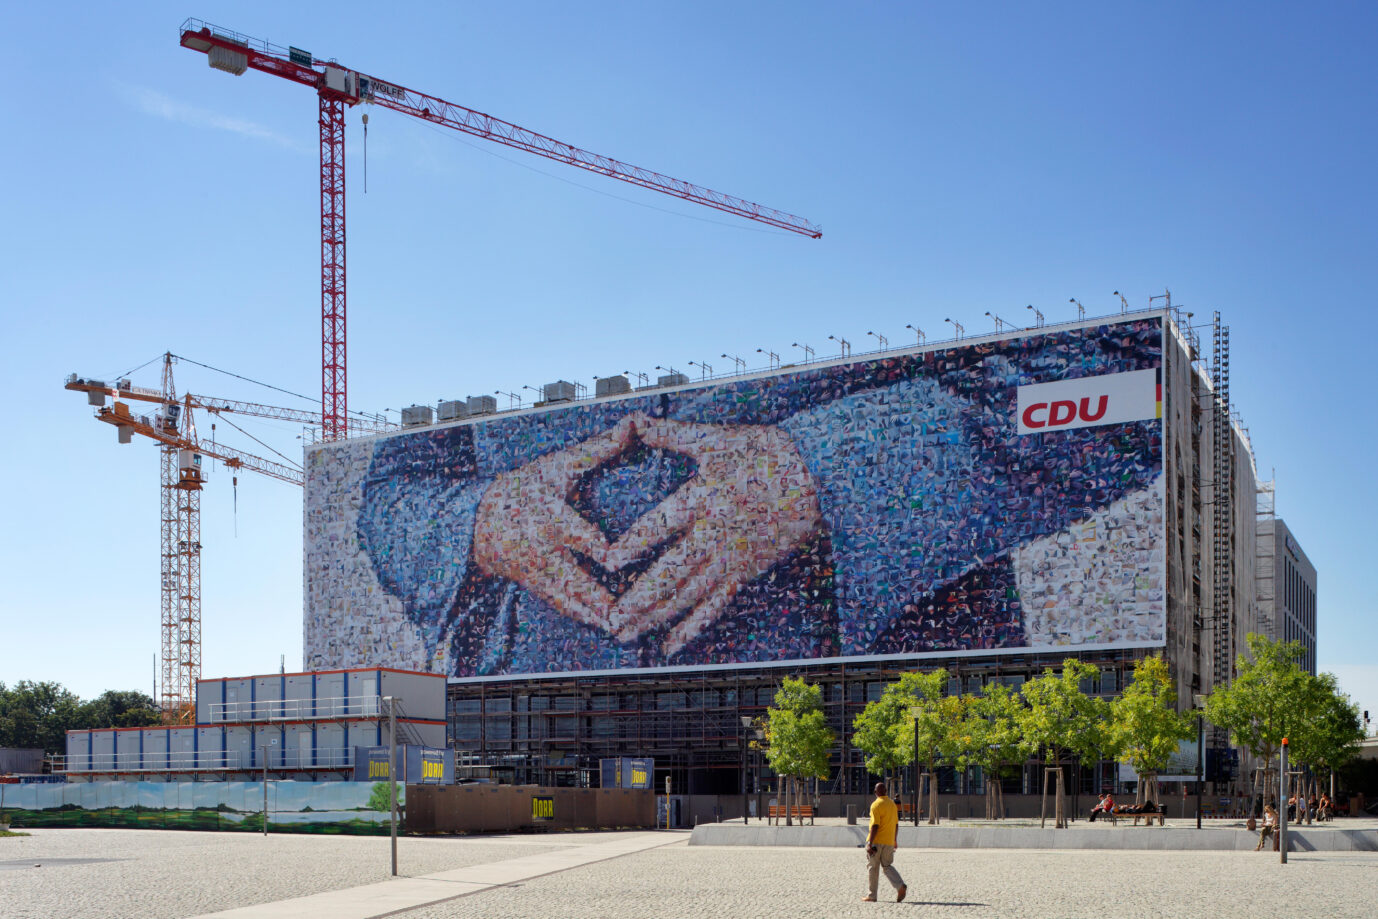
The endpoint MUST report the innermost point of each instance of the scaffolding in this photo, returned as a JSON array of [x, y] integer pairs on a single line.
[[698, 725]]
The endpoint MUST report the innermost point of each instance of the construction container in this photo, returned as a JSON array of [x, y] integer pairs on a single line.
[[559, 391], [482, 405], [453, 410], [611, 386], [416, 415]]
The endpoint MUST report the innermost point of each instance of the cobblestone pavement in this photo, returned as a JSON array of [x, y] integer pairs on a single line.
[[176, 875], [744, 883], [164, 874]]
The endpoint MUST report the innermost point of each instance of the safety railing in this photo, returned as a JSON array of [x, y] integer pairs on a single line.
[[343, 707]]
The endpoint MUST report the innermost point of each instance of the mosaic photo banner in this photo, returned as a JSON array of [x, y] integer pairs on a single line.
[[978, 498]]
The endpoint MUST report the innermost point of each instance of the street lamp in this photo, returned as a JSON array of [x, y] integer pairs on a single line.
[[843, 344], [1038, 316], [774, 358], [1124, 304], [1081, 310], [705, 370], [884, 342], [917, 332], [958, 326], [741, 364], [808, 352], [1200, 751]]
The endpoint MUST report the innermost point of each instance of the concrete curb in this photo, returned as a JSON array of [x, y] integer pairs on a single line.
[[1174, 838]]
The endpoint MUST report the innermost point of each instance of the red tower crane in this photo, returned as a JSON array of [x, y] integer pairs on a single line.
[[339, 86]]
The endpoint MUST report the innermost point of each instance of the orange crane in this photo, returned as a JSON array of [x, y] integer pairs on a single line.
[[172, 425], [339, 86]]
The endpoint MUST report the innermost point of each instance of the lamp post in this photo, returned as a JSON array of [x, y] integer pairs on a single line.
[[1081, 310], [918, 333], [771, 356], [1200, 751], [917, 789], [884, 342]]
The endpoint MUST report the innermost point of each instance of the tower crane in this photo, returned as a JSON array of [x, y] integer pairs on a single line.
[[172, 425], [338, 87]]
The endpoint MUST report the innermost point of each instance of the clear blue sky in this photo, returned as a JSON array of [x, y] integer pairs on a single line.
[[960, 158]]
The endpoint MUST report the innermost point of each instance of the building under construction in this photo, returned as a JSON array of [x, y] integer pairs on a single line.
[[633, 574]]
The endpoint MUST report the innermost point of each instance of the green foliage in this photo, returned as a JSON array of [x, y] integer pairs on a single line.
[[117, 708], [38, 715], [875, 730], [1266, 701], [1145, 726], [379, 799], [797, 735], [1327, 734], [990, 734], [1060, 716], [933, 718]]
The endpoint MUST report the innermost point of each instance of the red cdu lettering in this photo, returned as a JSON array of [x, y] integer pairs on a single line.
[[1100, 408], [1063, 411], [1029, 415]]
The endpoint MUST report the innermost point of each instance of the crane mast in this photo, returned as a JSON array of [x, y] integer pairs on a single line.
[[338, 87], [172, 427]]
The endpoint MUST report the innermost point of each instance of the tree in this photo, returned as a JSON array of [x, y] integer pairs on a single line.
[[1145, 726], [932, 728], [120, 708], [1265, 702], [1062, 719], [797, 735], [876, 729], [1328, 733], [991, 738], [38, 715]]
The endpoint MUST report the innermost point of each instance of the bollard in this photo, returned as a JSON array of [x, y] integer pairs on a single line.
[[851, 815]]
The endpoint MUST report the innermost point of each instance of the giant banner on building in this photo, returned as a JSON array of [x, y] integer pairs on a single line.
[[968, 499]]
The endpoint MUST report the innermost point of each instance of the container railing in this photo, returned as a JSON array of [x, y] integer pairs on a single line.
[[205, 761], [182, 761], [294, 709]]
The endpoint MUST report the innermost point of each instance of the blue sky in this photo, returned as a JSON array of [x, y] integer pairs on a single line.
[[960, 158]]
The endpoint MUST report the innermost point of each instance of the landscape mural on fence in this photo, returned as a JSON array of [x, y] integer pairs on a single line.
[[359, 808]]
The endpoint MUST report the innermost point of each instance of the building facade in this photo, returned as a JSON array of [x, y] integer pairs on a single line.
[[633, 575]]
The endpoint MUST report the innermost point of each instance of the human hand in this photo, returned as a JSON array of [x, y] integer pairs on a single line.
[[751, 503], [526, 527]]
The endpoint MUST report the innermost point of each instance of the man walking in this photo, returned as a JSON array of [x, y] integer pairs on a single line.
[[880, 845]]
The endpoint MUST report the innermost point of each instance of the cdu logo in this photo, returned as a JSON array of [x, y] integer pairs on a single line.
[[1111, 398]]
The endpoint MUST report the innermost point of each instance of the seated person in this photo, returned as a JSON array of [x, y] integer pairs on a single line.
[[1323, 808], [1106, 806], [1270, 822]]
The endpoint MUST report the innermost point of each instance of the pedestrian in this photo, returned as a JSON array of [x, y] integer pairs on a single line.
[[880, 845]]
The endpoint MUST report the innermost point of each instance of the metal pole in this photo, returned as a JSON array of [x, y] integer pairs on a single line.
[[392, 774], [1200, 743], [264, 748], [1282, 804], [746, 814], [917, 790]]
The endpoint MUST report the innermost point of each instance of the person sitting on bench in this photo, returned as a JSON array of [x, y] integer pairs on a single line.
[[1106, 806]]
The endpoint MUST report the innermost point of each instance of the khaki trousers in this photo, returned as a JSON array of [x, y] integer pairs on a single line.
[[883, 860]]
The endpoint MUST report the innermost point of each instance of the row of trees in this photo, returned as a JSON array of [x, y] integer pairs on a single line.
[[39, 715], [1050, 717]]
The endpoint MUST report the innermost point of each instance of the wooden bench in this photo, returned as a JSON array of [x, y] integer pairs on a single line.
[[1161, 816], [796, 812]]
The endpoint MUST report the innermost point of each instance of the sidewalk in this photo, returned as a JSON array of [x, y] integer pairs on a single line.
[[1344, 835]]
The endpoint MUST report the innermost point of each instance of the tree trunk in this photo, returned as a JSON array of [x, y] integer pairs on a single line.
[[932, 795]]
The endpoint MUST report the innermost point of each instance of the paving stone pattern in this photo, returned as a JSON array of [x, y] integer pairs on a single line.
[[164, 874]]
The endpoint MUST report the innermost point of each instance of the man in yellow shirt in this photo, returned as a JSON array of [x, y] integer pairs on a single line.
[[880, 845]]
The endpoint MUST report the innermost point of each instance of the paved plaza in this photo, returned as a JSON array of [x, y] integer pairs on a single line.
[[174, 875]]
